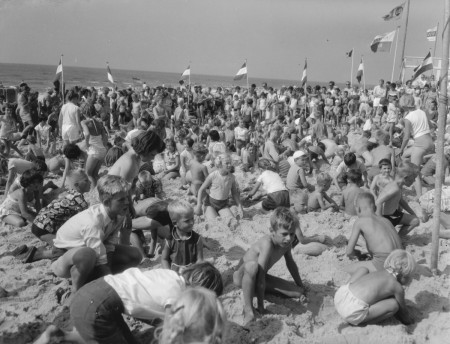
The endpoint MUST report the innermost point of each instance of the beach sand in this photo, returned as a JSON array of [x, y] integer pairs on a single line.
[[33, 293]]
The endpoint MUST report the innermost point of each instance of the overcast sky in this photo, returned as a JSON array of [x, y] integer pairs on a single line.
[[216, 35]]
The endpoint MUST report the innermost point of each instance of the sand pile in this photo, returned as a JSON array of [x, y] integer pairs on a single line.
[[34, 294]]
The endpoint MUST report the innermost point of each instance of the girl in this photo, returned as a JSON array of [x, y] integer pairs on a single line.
[[172, 161], [8, 132], [186, 157], [74, 158], [136, 109]]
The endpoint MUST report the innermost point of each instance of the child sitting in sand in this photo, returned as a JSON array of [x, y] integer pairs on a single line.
[[316, 201], [248, 157], [296, 182], [382, 179], [74, 158], [252, 272], [221, 183], [171, 160], [350, 163], [186, 156], [379, 234], [370, 297], [351, 192], [391, 199], [276, 193], [35, 150], [197, 172], [185, 247], [147, 186]]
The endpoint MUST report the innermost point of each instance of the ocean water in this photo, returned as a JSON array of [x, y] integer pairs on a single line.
[[39, 77]]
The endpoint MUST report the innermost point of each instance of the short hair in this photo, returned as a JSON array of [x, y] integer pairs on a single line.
[[401, 262], [204, 275], [220, 158], [367, 197], [113, 154], [29, 177], [265, 164], [384, 162], [72, 151], [349, 158], [214, 135], [199, 149], [147, 141], [40, 165], [144, 176], [406, 168], [189, 142], [382, 136], [177, 208], [283, 218], [323, 178], [355, 176], [108, 186]]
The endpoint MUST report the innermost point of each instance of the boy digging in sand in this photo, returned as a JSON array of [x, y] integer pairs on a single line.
[[252, 274]]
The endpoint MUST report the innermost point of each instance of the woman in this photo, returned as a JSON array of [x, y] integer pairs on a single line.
[[69, 119], [96, 140]]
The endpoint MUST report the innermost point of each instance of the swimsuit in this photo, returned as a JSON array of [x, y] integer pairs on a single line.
[[350, 308], [395, 218]]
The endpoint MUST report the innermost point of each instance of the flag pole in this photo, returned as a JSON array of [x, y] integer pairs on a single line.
[[395, 53], [443, 102], [435, 44], [189, 87], [351, 71], [404, 39], [364, 72], [246, 66], [62, 79]]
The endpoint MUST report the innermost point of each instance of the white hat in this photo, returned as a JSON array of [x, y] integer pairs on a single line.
[[298, 154]]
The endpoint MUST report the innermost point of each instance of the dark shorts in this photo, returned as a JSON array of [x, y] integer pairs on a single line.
[[37, 231], [57, 252], [216, 204], [96, 311], [395, 218], [240, 144], [276, 199]]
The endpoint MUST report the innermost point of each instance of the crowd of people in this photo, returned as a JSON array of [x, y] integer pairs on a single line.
[[299, 142]]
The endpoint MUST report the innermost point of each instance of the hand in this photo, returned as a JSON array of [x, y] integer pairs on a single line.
[[326, 240]]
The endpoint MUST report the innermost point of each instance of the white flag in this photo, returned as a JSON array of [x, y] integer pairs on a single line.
[[187, 72], [432, 34], [241, 72]]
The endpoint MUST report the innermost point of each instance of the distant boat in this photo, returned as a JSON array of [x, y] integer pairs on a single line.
[[137, 79]]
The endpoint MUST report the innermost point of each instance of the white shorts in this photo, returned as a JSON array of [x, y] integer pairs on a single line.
[[70, 133], [350, 308]]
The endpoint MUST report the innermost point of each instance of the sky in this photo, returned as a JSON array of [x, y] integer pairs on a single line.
[[215, 36]]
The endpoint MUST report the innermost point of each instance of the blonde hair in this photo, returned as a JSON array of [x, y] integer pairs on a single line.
[[109, 185], [197, 316], [283, 218], [177, 208], [323, 178], [144, 176], [220, 158], [74, 176], [400, 262], [382, 136]]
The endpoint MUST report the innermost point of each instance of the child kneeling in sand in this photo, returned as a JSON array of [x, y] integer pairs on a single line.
[[370, 297], [316, 201], [252, 273]]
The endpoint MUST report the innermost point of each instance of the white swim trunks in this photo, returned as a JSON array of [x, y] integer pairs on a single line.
[[350, 308]]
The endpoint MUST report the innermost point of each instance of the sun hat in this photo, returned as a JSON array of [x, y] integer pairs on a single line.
[[298, 154]]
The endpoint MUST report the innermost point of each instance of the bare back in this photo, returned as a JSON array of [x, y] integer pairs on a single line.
[[380, 234], [275, 253]]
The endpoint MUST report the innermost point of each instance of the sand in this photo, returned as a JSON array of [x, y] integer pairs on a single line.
[[30, 300]]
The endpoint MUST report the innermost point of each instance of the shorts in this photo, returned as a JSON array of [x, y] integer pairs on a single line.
[[240, 144], [350, 308], [217, 205], [276, 199], [70, 133], [96, 312], [38, 231], [395, 218]]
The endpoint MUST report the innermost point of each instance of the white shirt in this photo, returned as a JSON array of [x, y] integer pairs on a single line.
[[146, 294], [91, 228], [419, 123], [69, 113], [271, 182], [240, 133]]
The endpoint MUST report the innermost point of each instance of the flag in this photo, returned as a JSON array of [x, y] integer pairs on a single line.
[[360, 72], [304, 77], [383, 43], [241, 72], [110, 77], [427, 64], [59, 71], [187, 72], [350, 53], [396, 13], [432, 34]]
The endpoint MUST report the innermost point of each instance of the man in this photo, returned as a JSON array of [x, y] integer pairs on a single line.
[[348, 87], [23, 109], [379, 92]]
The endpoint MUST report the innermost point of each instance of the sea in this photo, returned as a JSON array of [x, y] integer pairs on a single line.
[[40, 77]]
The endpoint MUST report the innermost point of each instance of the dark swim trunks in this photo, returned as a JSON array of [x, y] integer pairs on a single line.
[[395, 218]]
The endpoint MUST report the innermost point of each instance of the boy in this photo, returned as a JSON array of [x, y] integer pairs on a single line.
[[198, 172], [316, 199], [381, 237], [371, 297], [351, 192], [88, 245], [147, 186], [390, 199], [382, 179], [296, 182], [349, 163], [252, 272]]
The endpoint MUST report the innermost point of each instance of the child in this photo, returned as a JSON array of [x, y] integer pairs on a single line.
[[172, 161], [296, 182], [351, 192], [44, 137], [14, 210], [382, 179], [349, 163], [74, 158], [241, 136], [390, 199], [185, 247], [35, 150], [277, 194], [252, 271], [316, 199], [113, 154], [18, 167], [8, 131], [186, 156], [197, 172], [221, 183], [88, 244], [371, 297], [380, 236], [248, 157], [147, 186]]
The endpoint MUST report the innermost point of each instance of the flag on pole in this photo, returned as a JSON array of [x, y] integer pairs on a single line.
[[396, 13], [304, 77], [350, 53], [187, 72], [427, 64], [360, 72], [432, 34], [241, 72], [58, 75], [110, 77], [383, 43]]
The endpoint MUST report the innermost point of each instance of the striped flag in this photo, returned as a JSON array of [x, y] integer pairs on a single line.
[[360, 72], [396, 13], [304, 76], [350, 53], [432, 34], [241, 72], [427, 64], [383, 43], [110, 77], [59, 69], [187, 72]]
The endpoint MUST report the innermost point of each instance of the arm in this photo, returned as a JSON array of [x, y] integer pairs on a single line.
[[165, 257], [402, 314], [406, 135], [373, 186], [293, 269], [66, 170], [263, 261], [406, 206], [383, 197], [356, 231], [235, 195], [24, 211], [11, 175], [201, 193], [255, 189], [77, 120], [200, 250], [87, 136]]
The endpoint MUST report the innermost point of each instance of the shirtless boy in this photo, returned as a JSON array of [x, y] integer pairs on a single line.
[[351, 192], [382, 179], [390, 199], [197, 171], [316, 201], [381, 237], [252, 274]]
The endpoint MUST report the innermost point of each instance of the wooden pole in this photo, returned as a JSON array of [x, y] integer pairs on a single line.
[[443, 103], [351, 70], [400, 66], [62, 80], [395, 53]]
